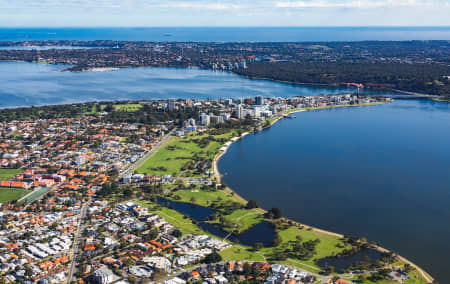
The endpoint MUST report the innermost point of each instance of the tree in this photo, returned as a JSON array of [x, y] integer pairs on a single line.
[[407, 267], [275, 213], [257, 246], [251, 204], [177, 233], [280, 255], [127, 193], [212, 258]]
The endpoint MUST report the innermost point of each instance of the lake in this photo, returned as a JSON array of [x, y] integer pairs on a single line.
[[236, 34], [28, 84], [262, 232], [380, 172]]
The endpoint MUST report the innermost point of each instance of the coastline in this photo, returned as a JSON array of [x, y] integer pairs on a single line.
[[426, 276]]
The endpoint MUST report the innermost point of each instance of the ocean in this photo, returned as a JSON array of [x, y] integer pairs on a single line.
[[229, 34]]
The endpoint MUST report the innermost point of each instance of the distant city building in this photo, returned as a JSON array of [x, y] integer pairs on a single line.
[[204, 119], [239, 111], [214, 119], [259, 100], [171, 105], [104, 276], [225, 116]]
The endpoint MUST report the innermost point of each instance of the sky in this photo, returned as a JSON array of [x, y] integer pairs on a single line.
[[168, 13]]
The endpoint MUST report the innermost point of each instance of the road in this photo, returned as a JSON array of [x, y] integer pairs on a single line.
[[147, 155], [76, 242]]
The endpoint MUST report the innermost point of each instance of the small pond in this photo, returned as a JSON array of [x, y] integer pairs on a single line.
[[263, 232], [341, 264]]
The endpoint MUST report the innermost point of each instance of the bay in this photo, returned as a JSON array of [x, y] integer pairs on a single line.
[[380, 172]]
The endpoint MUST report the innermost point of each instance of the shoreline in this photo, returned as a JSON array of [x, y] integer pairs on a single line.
[[427, 277]]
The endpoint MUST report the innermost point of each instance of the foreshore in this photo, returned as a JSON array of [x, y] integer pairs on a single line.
[[218, 177]]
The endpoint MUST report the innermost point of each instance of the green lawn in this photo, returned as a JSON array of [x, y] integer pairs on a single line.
[[128, 107], [326, 247], [11, 194], [176, 152], [244, 219], [205, 198], [238, 252], [273, 119], [6, 174], [414, 279]]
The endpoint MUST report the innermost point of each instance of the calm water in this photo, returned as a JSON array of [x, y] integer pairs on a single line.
[[381, 172], [14, 47], [27, 84], [261, 34], [341, 264], [263, 232]]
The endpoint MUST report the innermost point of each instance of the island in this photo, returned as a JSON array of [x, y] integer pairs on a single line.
[[108, 192]]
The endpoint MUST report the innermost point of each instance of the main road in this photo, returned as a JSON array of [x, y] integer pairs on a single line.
[[76, 242]]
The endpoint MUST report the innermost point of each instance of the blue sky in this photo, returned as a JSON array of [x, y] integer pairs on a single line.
[[66, 13]]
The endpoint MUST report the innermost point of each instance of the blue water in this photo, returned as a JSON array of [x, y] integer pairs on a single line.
[[18, 47], [195, 212], [341, 264], [381, 172], [263, 232], [27, 84], [214, 34]]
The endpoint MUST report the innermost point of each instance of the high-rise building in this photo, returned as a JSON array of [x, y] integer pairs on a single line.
[[239, 111], [204, 119], [171, 105], [259, 100]]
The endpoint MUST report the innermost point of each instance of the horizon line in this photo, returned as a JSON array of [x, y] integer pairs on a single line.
[[306, 26]]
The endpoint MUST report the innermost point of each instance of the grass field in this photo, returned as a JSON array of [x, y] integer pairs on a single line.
[[128, 107], [6, 174], [172, 156], [326, 247], [205, 198], [414, 279], [11, 194], [243, 219]]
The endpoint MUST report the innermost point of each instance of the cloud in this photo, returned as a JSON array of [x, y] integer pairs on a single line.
[[200, 5], [360, 4]]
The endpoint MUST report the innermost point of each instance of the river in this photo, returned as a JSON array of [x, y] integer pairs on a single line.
[[28, 84], [380, 172]]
